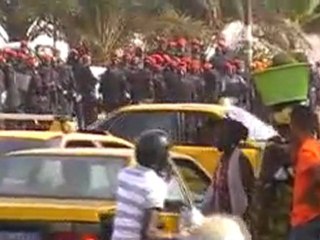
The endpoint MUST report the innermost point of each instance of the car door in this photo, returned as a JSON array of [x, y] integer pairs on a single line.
[[196, 177], [195, 140], [194, 183]]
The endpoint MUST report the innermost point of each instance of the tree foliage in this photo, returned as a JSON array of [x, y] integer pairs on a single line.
[[106, 24]]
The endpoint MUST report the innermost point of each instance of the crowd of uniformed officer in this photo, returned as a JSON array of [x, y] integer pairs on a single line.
[[174, 71]]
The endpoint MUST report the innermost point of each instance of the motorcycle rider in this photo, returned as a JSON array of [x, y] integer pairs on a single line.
[[142, 189]]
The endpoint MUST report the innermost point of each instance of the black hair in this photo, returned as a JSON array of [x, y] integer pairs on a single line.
[[305, 119], [237, 131]]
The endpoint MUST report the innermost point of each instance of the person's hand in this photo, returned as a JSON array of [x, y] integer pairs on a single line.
[[172, 236]]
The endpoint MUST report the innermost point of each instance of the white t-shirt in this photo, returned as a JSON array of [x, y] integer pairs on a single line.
[[139, 189]]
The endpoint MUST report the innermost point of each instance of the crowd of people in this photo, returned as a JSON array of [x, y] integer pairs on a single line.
[[175, 71], [237, 206], [172, 71]]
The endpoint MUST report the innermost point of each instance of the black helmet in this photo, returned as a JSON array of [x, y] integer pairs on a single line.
[[152, 149]]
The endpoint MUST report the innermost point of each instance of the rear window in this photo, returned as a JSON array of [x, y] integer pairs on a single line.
[[114, 145], [15, 144], [80, 144], [60, 176]]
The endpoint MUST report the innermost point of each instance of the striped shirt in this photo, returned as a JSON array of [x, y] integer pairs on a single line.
[[139, 189]]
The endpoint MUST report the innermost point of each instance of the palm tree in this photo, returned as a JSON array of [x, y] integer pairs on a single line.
[[13, 20], [107, 24], [52, 12]]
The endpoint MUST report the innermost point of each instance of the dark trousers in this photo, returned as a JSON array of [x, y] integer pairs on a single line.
[[307, 231]]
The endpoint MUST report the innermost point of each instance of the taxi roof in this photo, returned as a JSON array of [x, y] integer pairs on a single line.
[[199, 107], [46, 135], [41, 135], [125, 152], [122, 152]]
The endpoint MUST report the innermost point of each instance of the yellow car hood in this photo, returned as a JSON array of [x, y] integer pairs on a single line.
[[53, 210]]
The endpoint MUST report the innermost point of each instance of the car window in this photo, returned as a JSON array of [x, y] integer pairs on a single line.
[[174, 191], [106, 144], [8, 144], [195, 129], [195, 178], [79, 144], [78, 177], [130, 125], [105, 124]]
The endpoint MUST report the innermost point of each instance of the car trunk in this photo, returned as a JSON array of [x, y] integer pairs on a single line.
[[38, 219]]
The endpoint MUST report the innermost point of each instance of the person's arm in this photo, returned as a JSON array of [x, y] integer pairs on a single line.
[[247, 176], [151, 224], [154, 204]]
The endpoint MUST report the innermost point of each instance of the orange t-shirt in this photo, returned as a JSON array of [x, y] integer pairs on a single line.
[[308, 156]]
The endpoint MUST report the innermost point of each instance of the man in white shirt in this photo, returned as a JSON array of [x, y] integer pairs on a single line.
[[142, 191]]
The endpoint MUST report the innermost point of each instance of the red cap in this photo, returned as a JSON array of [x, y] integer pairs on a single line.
[[177, 59], [183, 64], [237, 62], [6, 50], [186, 59], [207, 66], [158, 58], [22, 55], [31, 61], [2, 59], [195, 64], [10, 52], [182, 42], [174, 64], [167, 58], [230, 67]]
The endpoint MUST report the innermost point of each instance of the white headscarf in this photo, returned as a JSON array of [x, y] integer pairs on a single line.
[[221, 227]]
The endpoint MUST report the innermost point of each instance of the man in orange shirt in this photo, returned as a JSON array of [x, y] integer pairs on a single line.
[[305, 217]]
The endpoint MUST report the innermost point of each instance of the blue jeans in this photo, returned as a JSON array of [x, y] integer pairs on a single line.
[[308, 231]]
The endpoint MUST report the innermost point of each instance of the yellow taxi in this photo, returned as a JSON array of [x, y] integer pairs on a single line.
[[186, 124], [44, 122], [66, 194], [12, 140]]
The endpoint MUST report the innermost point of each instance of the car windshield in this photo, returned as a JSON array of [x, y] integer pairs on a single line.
[[131, 125], [8, 144], [84, 177]]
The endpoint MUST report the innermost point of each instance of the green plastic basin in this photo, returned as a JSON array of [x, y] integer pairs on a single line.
[[283, 84]]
